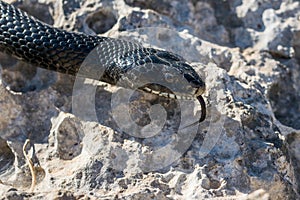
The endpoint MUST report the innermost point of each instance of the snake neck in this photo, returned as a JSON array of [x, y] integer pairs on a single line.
[[37, 43]]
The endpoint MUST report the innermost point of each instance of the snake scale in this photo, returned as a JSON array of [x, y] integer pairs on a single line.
[[40, 44]]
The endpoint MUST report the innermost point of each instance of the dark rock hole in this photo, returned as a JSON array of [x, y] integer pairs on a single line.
[[101, 21], [285, 102], [6, 156]]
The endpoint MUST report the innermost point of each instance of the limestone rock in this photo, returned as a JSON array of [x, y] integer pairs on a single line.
[[248, 147]]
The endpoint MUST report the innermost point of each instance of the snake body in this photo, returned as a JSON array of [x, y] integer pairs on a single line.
[[55, 49]]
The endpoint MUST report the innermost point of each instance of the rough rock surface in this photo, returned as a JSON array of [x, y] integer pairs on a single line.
[[248, 52]]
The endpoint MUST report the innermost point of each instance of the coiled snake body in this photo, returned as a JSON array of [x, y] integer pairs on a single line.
[[40, 44]]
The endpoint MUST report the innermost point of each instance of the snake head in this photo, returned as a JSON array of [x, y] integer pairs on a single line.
[[196, 82], [198, 87], [173, 72], [195, 85]]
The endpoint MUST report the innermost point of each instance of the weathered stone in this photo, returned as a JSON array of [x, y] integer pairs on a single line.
[[248, 147]]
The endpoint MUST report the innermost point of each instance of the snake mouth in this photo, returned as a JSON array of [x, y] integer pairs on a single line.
[[161, 91], [167, 94]]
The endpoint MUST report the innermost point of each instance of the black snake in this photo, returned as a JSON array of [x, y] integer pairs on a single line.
[[40, 44]]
